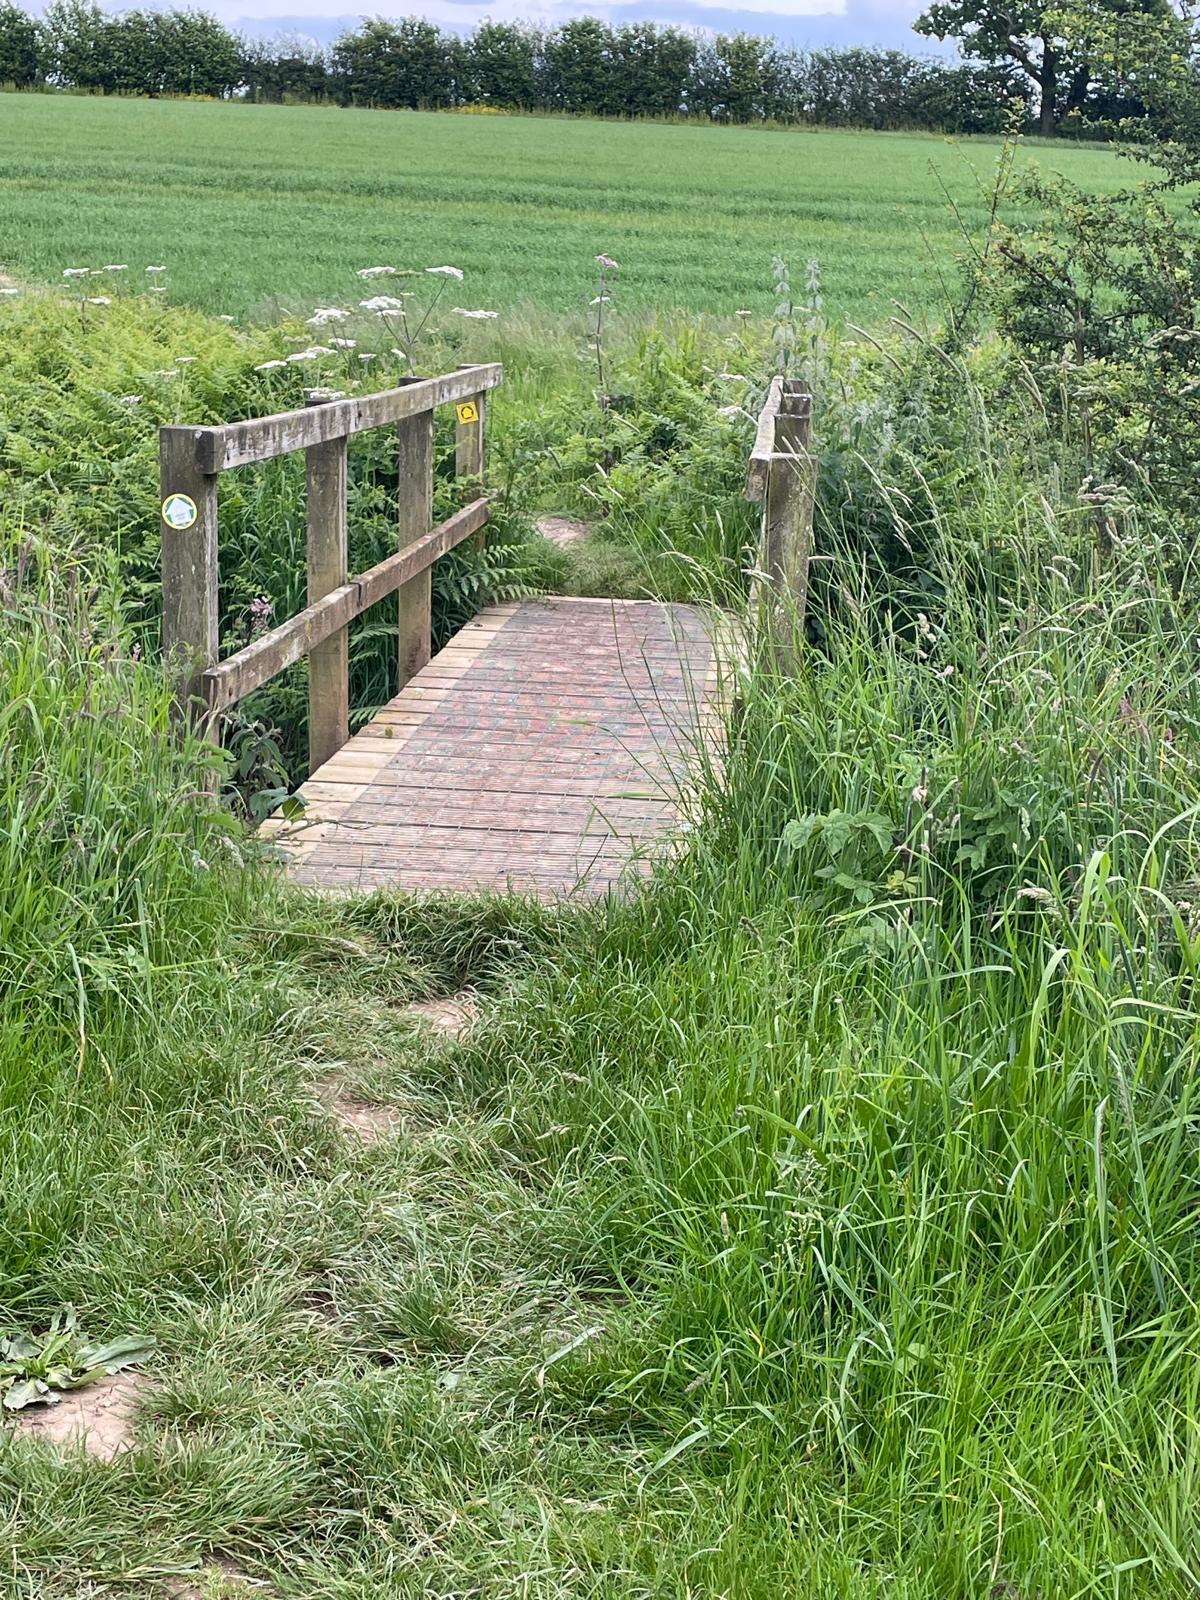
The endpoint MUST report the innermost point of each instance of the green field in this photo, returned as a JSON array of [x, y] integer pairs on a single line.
[[262, 208]]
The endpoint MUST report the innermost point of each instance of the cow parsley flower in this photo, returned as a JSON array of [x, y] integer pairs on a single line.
[[270, 366], [324, 394], [131, 399], [224, 318], [4, 289], [117, 266], [158, 288], [476, 316], [325, 314], [366, 355], [156, 269], [446, 272], [183, 361], [343, 344], [382, 303], [378, 272], [609, 263], [76, 272], [99, 300]]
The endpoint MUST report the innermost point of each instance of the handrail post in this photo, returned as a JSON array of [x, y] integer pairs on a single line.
[[189, 565], [414, 460], [470, 441], [329, 662], [787, 521]]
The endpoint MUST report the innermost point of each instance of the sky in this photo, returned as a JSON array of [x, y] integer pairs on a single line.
[[799, 22]]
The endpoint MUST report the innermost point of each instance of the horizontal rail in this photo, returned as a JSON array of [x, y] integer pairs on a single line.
[[237, 444], [759, 469], [231, 680]]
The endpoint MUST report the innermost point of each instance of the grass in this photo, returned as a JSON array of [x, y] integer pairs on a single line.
[[263, 209], [820, 1221]]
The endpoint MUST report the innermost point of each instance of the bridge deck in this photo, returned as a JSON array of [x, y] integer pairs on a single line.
[[532, 753]]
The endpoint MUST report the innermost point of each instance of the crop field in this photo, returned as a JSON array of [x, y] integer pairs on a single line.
[[261, 209]]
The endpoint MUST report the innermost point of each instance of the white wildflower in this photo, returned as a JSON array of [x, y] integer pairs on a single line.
[[729, 411], [270, 366], [743, 313], [5, 290], [476, 316], [399, 354], [313, 353], [224, 318], [324, 314], [608, 263], [76, 272], [167, 372], [733, 377], [600, 299], [183, 361], [323, 394], [366, 355], [99, 300], [158, 288], [382, 303], [446, 272], [378, 272], [117, 266], [155, 269], [131, 399], [343, 344]]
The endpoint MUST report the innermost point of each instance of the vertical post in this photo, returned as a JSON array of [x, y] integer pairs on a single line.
[[414, 459], [188, 524], [470, 442], [787, 519], [328, 663]]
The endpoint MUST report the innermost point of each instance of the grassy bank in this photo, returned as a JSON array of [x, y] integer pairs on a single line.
[[820, 1221], [263, 210]]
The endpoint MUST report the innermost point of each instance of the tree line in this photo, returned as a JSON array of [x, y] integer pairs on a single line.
[[585, 66]]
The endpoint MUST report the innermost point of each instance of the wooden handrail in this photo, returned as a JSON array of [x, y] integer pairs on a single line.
[[268, 655], [190, 463], [238, 444]]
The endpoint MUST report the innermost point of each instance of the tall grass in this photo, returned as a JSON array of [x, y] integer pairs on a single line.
[[821, 1220]]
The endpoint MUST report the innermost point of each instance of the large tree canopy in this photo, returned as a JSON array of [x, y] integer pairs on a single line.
[[1051, 44]]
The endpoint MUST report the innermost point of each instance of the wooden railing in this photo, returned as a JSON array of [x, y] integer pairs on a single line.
[[782, 477], [191, 461]]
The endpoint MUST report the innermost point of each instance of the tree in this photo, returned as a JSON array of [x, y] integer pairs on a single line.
[[1031, 35], [384, 63], [501, 66], [79, 45], [19, 47]]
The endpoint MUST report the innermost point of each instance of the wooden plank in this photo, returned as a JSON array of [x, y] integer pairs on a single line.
[[236, 444], [235, 677], [764, 443], [329, 662], [190, 625], [414, 456]]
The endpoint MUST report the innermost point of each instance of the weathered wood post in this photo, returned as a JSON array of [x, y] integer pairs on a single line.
[[414, 459], [329, 662], [188, 525], [470, 440], [782, 476]]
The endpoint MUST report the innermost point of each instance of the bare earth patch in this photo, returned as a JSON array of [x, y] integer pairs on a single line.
[[227, 1579], [100, 1417], [562, 530], [366, 1121], [451, 1015]]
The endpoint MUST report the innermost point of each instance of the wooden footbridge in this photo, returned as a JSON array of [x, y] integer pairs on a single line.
[[541, 749]]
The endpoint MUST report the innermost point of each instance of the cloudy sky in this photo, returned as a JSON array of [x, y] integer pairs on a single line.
[[802, 22]]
